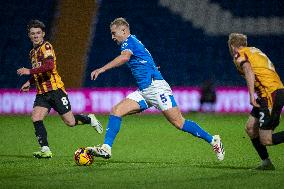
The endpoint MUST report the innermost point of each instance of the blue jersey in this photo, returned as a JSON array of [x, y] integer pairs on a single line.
[[141, 63]]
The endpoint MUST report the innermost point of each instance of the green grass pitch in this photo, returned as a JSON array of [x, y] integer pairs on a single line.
[[148, 153]]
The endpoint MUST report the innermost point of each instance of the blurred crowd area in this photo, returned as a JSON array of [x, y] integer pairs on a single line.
[[187, 38]]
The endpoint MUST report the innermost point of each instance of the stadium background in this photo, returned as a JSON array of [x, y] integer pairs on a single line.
[[187, 38]]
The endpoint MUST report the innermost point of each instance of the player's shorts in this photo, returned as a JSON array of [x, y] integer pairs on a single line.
[[158, 94], [269, 120], [56, 99]]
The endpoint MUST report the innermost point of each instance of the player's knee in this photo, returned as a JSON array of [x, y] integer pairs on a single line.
[[251, 131], [116, 111]]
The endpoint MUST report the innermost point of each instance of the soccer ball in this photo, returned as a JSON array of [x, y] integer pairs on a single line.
[[81, 157]]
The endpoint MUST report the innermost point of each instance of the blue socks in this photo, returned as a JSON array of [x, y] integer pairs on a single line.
[[196, 130], [113, 128], [114, 124]]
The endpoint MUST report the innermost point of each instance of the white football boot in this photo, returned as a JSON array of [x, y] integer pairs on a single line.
[[218, 147], [104, 151], [96, 124]]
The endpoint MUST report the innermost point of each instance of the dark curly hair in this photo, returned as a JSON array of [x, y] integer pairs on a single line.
[[35, 24]]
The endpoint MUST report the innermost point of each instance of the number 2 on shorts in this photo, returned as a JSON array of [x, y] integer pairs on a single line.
[[261, 120]]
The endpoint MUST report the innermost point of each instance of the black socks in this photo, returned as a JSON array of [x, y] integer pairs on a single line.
[[260, 148], [278, 138], [40, 133], [81, 119]]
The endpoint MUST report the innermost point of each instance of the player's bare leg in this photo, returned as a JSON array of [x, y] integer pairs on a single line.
[[252, 127], [69, 119], [175, 117], [125, 107], [80, 119], [252, 131], [265, 137], [38, 114]]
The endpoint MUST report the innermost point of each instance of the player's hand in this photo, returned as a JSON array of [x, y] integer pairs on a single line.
[[25, 87], [23, 71], [96, 73], [253, 102]]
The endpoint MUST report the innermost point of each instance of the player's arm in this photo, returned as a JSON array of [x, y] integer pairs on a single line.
[[250, 77], [25, 87], [48, 65], [118, 61]]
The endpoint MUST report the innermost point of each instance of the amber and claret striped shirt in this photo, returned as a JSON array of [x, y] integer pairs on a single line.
[[44, 73], [266, 78]]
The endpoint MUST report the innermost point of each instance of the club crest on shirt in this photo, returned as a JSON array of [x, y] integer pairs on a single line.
[[36, 64], [124, 45], [48, 50], [47, 46]]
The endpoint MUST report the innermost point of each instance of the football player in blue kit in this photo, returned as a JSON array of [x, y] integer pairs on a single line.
[[152, 90]]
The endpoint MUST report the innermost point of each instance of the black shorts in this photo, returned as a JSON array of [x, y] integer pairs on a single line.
[[267, 120], [57, 99]]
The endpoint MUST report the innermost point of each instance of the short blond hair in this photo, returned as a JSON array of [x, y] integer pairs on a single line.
[[119, 22], [237, 40]]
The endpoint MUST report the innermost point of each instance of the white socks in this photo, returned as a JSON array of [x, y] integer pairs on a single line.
[[45, 149]]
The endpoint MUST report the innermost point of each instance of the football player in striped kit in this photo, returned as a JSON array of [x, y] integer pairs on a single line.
[[263, 80], [50, 89]]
